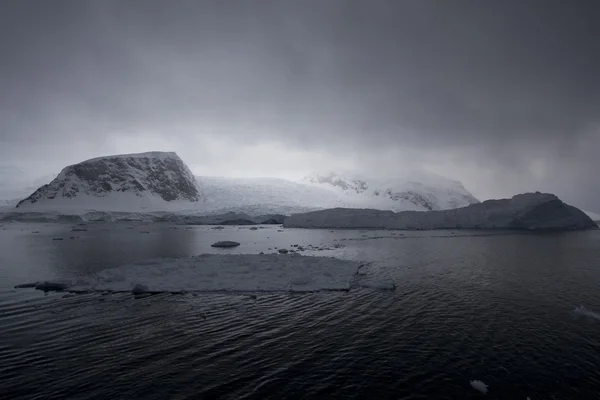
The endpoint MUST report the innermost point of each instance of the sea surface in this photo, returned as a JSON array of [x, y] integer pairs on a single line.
[[500, 307]]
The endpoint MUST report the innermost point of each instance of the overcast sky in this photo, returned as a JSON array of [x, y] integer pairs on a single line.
[[502, 95]]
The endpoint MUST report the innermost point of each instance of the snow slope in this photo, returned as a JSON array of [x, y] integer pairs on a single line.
[[411, 190], [129, 182], [532, 211]]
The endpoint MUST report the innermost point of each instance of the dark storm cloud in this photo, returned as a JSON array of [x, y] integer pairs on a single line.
[[500, 81]]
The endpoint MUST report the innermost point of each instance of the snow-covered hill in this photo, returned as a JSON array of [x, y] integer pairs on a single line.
[[129, 182], [411, 190], [530, 211]]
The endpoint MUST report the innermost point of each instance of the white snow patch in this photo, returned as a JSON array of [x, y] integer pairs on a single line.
[[234, 273], [480, 386]]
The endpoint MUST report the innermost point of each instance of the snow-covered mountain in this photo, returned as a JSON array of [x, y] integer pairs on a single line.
[[411, 190], [129, 182], [159, 181]]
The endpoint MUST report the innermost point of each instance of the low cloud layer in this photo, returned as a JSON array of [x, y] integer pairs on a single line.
[[501, 95]]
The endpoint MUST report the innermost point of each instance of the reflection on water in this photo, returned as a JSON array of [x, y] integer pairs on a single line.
[[493, 308]]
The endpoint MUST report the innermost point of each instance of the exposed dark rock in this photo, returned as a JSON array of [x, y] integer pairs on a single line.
[[140, 289], [225, 244], [26, 285], [52, 286], [276, 219], [238, 222]]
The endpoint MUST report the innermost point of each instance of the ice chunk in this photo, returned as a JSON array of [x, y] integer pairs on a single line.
[[139, 288], [582, 310], [225, 244], [52, 286], [480, 386], [234, 273], [26, 285]]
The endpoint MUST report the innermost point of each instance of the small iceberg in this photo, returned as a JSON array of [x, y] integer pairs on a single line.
[[582, 310], [479, 386]]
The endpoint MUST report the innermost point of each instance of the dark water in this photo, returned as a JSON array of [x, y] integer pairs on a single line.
[[496, 308]]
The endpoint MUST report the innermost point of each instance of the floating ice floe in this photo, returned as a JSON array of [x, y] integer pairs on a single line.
[[221, 273], [479, 386]]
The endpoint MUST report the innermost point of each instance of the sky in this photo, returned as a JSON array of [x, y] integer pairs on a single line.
[[501, 95]]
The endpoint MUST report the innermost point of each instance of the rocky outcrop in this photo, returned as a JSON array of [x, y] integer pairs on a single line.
[[529, 211], [159, 176]]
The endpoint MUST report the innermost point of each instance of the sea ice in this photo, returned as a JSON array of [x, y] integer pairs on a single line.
[[220, 272]]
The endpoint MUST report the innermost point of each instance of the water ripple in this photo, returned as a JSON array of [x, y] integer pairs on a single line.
[[493, 308]]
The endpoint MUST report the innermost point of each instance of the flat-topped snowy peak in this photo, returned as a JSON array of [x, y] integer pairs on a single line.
[[530, 211], [411, 190], [144, 180]]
